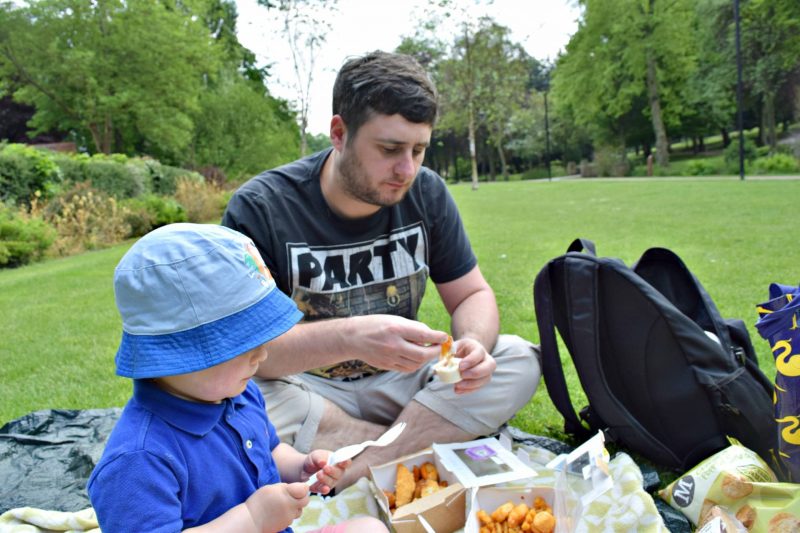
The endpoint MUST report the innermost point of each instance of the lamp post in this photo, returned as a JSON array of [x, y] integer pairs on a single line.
[[739, 115]]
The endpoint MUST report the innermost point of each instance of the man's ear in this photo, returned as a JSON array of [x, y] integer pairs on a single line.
[[338, 132]]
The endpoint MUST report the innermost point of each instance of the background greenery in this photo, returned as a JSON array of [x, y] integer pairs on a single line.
[[171, 80], [60, 328]]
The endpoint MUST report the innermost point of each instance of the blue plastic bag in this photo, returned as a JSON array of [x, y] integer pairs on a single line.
[[778, 324]]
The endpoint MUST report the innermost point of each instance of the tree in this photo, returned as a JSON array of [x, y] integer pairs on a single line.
[[621, 51], [242, 130], [771, 52], [125, 70], [305, 26], [501, 73]]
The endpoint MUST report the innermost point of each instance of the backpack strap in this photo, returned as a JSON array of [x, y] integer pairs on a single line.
[[582, 245], [552, 370], [740, 338]]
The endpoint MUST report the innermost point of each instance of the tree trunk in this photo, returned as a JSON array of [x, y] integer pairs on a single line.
[[503, 163], [662, 145], [769, 122], [303, 137], [726, 138], [472, 155]]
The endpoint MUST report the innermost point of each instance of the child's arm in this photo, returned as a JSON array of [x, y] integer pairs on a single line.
[[269, 509], [296, 466]]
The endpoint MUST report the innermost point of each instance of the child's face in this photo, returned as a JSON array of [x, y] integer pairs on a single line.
[[214, 384]]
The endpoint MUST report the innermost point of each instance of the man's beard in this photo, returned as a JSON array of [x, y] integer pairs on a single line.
[[356, 183]]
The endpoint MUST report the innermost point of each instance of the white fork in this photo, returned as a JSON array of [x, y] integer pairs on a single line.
[[348, 452]]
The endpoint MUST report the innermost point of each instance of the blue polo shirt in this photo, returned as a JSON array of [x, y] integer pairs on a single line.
[[172, 464]]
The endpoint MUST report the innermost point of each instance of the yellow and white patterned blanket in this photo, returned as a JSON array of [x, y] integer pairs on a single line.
[[624, 508]]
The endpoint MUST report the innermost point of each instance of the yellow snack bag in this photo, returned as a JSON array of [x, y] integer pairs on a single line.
[[739, 481]]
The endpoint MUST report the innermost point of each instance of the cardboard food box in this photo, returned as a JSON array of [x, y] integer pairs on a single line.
[[462, 466], [490, 498]]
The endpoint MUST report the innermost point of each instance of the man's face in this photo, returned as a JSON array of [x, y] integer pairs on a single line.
[[379, 165]]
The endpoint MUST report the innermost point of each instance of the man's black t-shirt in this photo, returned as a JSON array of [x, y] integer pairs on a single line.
[[334, 267]]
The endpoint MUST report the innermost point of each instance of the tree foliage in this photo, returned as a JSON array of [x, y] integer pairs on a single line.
[[113, 71]]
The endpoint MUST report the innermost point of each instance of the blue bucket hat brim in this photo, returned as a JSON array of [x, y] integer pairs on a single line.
[[192, 296], [152, 356]]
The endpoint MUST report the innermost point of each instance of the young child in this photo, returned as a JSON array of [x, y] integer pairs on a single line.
[[194, 449]]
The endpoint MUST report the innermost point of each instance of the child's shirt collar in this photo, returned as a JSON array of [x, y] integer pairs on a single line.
[[192, 417]]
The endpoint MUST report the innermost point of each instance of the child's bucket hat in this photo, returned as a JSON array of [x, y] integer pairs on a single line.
[[192, 296]]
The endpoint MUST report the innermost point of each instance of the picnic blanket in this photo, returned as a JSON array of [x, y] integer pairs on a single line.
[[627, 507]]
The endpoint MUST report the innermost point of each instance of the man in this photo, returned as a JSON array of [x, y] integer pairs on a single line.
[[352, 234]]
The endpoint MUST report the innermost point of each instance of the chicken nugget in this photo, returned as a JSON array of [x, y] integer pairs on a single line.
[[483, 517], [428, 471], [429, 486], [404, 487], [517, 515], [501, 513], [389, 498], [540, 504], [544, 522], [417, 473]]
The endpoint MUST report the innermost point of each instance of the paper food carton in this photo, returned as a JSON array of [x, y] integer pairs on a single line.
[[490, 498], [442, 511], [462, 465]]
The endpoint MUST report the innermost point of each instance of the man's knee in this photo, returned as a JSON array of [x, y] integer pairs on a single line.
[[512, 351], [519, 368]]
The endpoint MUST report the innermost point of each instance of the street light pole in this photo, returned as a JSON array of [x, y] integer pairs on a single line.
[[739, 88]]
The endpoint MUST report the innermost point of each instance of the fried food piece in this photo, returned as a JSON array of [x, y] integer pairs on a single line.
[[404, 487], [539, 504], [447, 347], [501, 513], [429, 486], [483, 517], [390, 498], [517, 515], [417, 473], [428, 471], [544, 522]]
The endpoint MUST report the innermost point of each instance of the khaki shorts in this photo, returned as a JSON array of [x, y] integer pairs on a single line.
[[295, 404]]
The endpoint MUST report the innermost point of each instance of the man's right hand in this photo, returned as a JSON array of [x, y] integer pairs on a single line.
[[391, 342]]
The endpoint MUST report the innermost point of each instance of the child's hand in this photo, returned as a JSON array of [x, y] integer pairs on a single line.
[[275, 507], [327, 475]]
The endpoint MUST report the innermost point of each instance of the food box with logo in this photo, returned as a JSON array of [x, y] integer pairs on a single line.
[[459, 466]]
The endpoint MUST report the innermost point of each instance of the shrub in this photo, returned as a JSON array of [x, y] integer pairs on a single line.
[[611, 161], [776, 164], [23, 171], [114, 178], [700, 167], [152, 211], [23, 238], [201, 201], [731, 153], [164, 178], [85, 219]]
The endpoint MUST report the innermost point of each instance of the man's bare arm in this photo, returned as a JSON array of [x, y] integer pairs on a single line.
[[383, 341], [472, 307]]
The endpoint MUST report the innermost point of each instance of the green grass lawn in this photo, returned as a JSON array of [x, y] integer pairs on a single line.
[[59, 327]]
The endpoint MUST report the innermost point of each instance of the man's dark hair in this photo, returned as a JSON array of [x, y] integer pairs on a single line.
[[383, 83]]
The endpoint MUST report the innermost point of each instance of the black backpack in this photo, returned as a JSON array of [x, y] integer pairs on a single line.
[[657, 382]]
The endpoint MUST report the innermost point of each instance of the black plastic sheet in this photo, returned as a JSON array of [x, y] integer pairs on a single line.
[[46, 457]]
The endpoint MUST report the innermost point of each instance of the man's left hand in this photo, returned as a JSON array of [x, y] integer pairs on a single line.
[[476, 365]]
